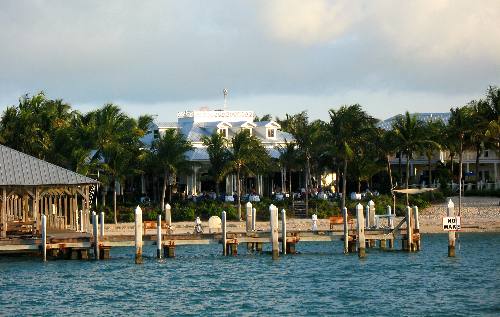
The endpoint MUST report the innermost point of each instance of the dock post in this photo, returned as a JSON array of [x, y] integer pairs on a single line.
[[168, 217], [81, 221], [409, 232], [416, 228], [224, 233], [248, 223], [101, 222], [96, 235], [283, 231], [158, 238], [138, 235], [361, 230], [273, 210], [254, 216], [451, 234], [346, 231], [391, 225], [367, 216], [44, 237]]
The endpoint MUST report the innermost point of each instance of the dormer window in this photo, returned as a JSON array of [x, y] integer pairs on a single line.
[[222, 132], [271, 133]]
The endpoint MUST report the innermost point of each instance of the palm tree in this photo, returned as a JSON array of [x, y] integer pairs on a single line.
[[288, 160], [219, 155], [412, 137], [350, 128], [434, 131], [460, 128], [247, 155], [169, 151]]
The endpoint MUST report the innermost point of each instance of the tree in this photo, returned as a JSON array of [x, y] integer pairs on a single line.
[[460, 128], [169, 151], [350, 128], [219, 155], [117, 144], [247, 155], [434, 131], [412, 137], [288, 160]]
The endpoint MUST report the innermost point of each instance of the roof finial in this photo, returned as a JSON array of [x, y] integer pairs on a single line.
[[225, 92]]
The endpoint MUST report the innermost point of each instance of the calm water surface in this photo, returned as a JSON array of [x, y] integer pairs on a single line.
[[319, 281]]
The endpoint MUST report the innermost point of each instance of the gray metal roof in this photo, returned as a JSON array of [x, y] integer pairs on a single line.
[[20, 169], [424, 116]]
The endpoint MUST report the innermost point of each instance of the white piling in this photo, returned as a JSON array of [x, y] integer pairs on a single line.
[[44, 237], [224, 233], [371, 213], [361, 230], [391, 219], [96, 235], [346, 231], [415, 218], [451, 234], [158, 238], [168, 215], [101, 222], [248, 223], [254, 217], [367, 216], [138, 235], [283, 231], [273, 210]]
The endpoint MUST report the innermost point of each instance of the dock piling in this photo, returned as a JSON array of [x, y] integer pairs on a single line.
[[346, 231], [283, 231], [81, 221], [254, 216], [408, 242], [168, 215], [273, 210], [44, 237], [224, 233], [451, 234], [417, 245], [361, 230], [101, 222], [158, 238], [96, 235], [138, 235]]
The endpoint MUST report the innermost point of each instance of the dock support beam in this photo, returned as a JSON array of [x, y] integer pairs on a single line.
[[283, 231], [254, 215], [273, 210], [158, 238], [138, 235], [168, 215], [44, 237], [451, 234], [408, 243], [361, 230], [346, 231], [224, 233]]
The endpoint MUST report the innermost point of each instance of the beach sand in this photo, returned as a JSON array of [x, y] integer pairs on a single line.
[[478, 214]]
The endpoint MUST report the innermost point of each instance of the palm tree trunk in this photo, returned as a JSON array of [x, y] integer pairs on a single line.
[[478, 152], [164, 189], [407, 177], [307, 187], [114, 200], [460, 177], [217, 185], [290, 182], [400, 168], [238, 189], [344, 184], [389, 170], [359, 185], [430, 176]]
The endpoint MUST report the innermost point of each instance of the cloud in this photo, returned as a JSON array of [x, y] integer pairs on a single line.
[[310, 22]]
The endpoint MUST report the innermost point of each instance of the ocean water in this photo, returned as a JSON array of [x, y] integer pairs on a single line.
[[320, 281]]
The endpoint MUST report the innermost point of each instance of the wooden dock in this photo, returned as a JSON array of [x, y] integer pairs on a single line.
[[96, 244]]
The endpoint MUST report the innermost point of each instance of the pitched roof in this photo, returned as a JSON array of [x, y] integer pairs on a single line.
[[20, 169]]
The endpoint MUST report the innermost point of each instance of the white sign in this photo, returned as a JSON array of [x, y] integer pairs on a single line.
[[451, 223]]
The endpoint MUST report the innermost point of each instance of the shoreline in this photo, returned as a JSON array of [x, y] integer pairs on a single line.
[[479, 214]]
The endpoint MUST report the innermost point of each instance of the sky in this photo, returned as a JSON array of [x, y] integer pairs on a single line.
[[277, 57]]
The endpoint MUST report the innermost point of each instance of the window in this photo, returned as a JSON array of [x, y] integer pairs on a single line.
[[249, 130], [156, 134], [486, 153], [223, 132], [271, 133]]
